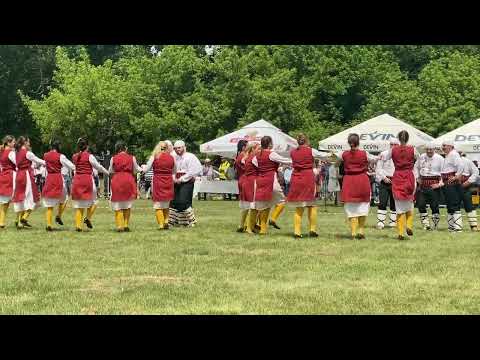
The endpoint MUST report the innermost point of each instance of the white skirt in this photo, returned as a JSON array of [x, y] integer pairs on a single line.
[[49, 202], [403, 206], [28, 203], [7, 199], [277, 197], [246, 205], [161, 205], [85, 204], [333, 185], [121, 205], [356, 209]]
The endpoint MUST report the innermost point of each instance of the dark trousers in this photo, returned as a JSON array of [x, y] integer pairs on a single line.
[[183, 196], [453, 197], [428, 196], [385, 197], [467, 199]]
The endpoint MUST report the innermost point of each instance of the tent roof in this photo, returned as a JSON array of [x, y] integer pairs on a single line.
[[466, 137], [375, 134]]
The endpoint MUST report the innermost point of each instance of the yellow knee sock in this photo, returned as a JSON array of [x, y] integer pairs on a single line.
[[126, 217], [119, 219], [79, 218], [243, 218], [61, 209], [277, 211], [264, 220], [3, 213], [297, 221], [409, 216], [401, 220], [361, 224], [49, 215], [160, 218], [166, 213], [312, 218], [353, 225], [26, 214], [252, 220], [90, 211]]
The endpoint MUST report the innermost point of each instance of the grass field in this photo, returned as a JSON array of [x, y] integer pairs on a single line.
[[211, 269]]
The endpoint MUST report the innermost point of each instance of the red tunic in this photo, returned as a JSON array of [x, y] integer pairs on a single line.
[[240, 170], [403, 181], [265, 176], [6, 174], [162, 178], [248, 183], [356, 184], [124, 186], [53, 188], [82, 182], [24, 169], [302, 183]]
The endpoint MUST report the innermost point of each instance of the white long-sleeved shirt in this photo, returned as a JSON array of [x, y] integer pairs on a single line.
[[136, 168], [275, 158], [387, 154], [12, 156], [96, 165], [149, 165], [452, 163], [371, 158], [188, 164], [66, 163], [428, 166], [385, 168], [469, 169]]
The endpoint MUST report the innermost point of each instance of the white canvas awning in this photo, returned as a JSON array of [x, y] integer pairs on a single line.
[[227, 145], [466, 138], [375, 135]]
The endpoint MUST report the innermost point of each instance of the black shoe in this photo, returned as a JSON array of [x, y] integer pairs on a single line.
[[58, 220], [401, 237], [360, 237], [165, 227], [18, 226], [120, 230], [78, 230], [312, 234], [2, 226], [25, 223], [257, 228], [298, 236], [88, 223], [409, 232], [240, 229], [274, 224], [126, 229], [49, 228]]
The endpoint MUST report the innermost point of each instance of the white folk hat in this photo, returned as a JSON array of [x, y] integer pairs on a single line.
[[179, 143], [448, 143], [431, 145]]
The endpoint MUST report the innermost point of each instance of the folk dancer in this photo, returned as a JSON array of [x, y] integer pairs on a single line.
[[469, 177], [122, 168], [268, 191], [84, 190], [187, 168], [452, 171], [163, 166], [240, 172], [7, 176], [247, 197], [383, 176], [55, 190], [26, 196], [427, 170]]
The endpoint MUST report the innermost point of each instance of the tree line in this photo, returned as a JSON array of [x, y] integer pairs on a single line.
[[143, 93]]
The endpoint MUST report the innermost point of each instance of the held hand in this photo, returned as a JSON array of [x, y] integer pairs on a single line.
[[466, 184], [435, 186], [387, 181]]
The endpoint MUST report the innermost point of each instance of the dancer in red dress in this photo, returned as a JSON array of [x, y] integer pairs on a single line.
[[162, 183], [240, 172], [84, 191], [7, 176], [123, 166], [247, 198], [26, 195], [356, 189], [403, 182], [55, 191]]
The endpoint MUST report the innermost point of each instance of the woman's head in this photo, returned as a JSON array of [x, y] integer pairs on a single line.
[[22, 141], [120, 146], [403, 137], [55, 145], [9, 141], [266, 142], [353, 141], [160, 148], [302, 139], [82, 144], [241, 146], [251, 149]]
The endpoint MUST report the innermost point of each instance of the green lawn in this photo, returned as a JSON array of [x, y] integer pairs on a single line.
[[211, 269]]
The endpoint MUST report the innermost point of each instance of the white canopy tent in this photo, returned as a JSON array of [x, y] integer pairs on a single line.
[[375, 135], [227, 145], [466, 138]]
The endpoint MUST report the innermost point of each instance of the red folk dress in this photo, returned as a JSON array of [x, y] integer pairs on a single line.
[[302, 183], [123, 185], [83, 187], [240, 170], [356, 191], [7, 177], [162, 183], [403, 181], [54, 192], [26, 195], [247, 193]]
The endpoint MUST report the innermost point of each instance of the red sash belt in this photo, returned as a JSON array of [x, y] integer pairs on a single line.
[[426, 182], [465, 178], [447, 177]]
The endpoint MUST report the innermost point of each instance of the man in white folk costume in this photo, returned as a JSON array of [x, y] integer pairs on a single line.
[[427, 170], [383, 176], [452, 171], [188, 167], [469, 178]]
